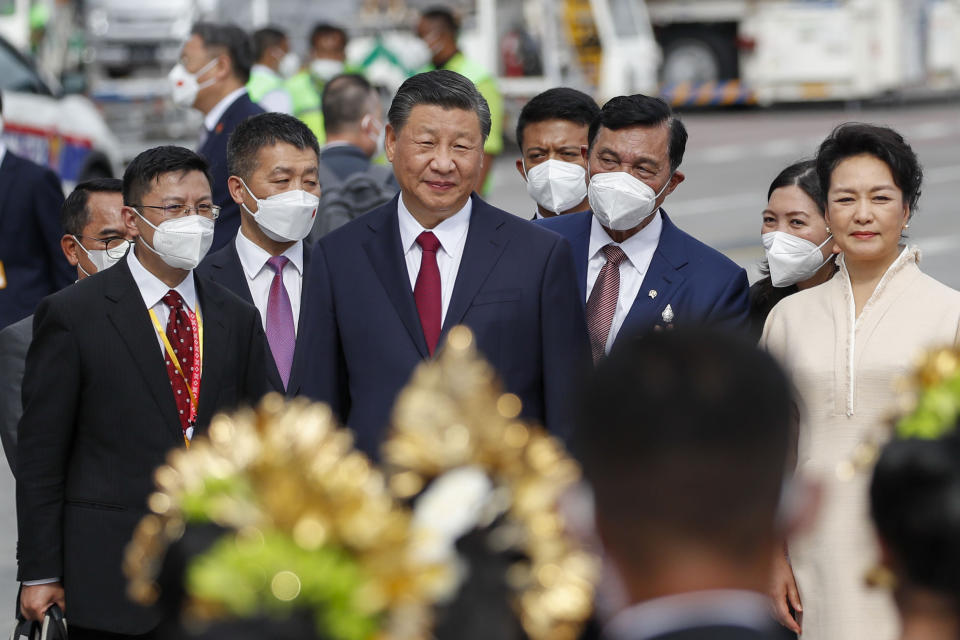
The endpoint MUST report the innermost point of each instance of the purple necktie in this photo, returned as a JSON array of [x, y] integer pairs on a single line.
[[280, 332]]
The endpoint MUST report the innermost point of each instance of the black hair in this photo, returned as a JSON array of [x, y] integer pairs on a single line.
[[149, 165], [233, 40], [265, 130], [857, 138], [559, 103], [265, 39], [326, 29], [915, 504], [645, 111], [442, 88], [445, 17], [74, 214], [345, 98], [801, 174], [685, 433]]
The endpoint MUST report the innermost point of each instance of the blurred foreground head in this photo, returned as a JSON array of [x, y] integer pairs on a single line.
[[684, 437]]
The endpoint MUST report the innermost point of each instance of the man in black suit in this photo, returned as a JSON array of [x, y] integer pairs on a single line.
[[31, 263], [392, 283], [684, 437], [124, 366], [94, 238], [272, 159], [212, 77]]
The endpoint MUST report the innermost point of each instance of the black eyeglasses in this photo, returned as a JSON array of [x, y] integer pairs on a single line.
[[178, 210], [115, 246]]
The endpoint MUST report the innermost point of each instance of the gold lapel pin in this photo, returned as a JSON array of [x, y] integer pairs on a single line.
[[652, 293]]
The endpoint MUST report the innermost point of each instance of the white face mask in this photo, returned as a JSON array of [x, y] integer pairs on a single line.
[[619, 201], [556, 185], [792, 259], [184, 85], [181, 242], [285, 217], [289, 65], [324, 68], [101, 258], [381, 136]]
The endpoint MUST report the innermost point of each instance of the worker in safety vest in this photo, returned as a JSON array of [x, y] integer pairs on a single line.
[[274, 62], [439, 28], [328, 54]]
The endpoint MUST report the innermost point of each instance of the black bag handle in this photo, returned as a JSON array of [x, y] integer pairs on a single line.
[[54, 624]]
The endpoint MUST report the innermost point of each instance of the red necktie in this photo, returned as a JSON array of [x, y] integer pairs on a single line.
[[180, 334], [426, 292], [602, 304]]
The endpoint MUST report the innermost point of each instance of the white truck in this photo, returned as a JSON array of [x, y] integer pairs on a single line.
[[766, 51]]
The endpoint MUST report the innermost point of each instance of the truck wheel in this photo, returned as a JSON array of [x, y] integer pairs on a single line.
[[698, 56]]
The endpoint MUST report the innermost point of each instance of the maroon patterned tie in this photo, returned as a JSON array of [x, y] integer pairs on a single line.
[[180, 334], [602, 303], [426, 291]]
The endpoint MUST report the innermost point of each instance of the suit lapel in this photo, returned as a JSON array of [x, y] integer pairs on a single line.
[[580, 244], [216, 333], [663, 276], [481, 251], [299, 357], [386, 255], [230, 272], [131, 320]]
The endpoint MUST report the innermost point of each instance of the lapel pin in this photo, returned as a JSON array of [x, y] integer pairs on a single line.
[[652, 293], [667, 314]]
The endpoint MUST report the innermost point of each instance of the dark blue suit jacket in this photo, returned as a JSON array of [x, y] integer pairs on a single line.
[[224, 268], [32, 264], [701, 285], [515, 289], [214, 150]]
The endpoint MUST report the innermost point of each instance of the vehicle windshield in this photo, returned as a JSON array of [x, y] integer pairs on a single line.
[[16, 74]]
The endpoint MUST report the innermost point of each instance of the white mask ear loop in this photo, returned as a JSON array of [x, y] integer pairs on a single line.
[[203, 70]]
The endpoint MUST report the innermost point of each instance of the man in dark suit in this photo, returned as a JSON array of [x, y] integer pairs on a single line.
[[124, 366], [683, 436], [272, 159], [31, 263], [551, 131], [215, 63], [94, 238], [635, 269], [392, 283]]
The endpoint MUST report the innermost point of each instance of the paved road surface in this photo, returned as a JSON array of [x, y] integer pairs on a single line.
[[731, 159]]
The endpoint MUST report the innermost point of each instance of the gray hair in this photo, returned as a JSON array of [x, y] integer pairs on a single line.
[[441, 88]]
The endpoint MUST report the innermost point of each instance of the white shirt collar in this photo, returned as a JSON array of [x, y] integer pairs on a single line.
[[726, 607], [152, 289], [213, 117], [451, 232], [3, 151], [253, 258], [637, 247]]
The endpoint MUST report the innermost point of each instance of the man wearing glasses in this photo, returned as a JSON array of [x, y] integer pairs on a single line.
[[124, 367], [94, 238]]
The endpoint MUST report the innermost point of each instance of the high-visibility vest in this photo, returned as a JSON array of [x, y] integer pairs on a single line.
[[261, 83], [305, 97]]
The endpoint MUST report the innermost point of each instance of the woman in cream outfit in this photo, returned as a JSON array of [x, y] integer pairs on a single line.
[[845, 343]]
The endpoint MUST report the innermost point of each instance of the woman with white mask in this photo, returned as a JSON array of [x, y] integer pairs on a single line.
[[846, 344], [798, 249]]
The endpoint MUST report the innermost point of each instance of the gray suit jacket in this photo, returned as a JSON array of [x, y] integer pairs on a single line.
[[14, 341]]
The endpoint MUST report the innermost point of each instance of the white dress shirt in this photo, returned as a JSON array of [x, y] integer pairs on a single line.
[[152, 290], [3, 151], [278, 99], [213, 116], [452, 234], [668, 614], [259, 275], [639, 249]]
